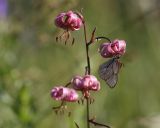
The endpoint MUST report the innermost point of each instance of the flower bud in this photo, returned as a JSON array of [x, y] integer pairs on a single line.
[[77, 83], [88, 82], [65, 94], [69, 21], [72, 96], [117, 47], [59, 21]]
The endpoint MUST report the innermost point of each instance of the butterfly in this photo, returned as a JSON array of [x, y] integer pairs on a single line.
[[108, 71]]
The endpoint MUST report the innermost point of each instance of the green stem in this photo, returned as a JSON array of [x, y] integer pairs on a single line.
[[88, 71]]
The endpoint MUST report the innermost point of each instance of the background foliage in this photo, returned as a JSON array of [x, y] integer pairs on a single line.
[[32, 63]]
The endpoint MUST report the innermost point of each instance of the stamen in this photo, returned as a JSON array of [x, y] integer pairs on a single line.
[[73, 41]]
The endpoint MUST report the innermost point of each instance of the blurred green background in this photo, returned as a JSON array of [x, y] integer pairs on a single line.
[[32, 62]]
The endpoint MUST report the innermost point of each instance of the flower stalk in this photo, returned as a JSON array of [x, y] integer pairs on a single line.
[[88, 69], [108, 71]]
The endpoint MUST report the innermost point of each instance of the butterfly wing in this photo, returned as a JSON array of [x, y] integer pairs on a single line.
[[112, 80], [105, 70], [109, 70], [116, 66]]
